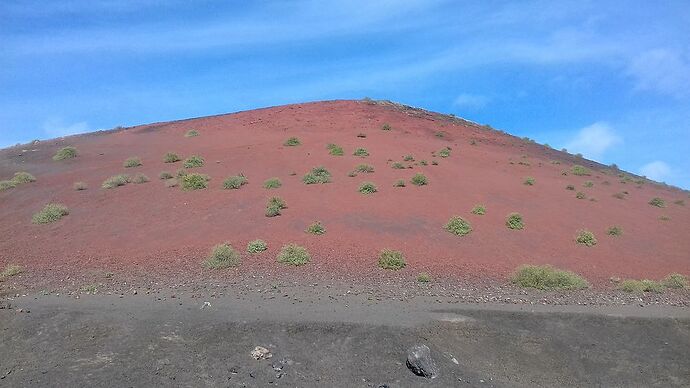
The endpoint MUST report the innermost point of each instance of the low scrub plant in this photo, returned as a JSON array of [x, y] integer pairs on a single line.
[[658, 202], [423, 163], [194, 181], [79, 186], [193, 161], [316, 228], [386, 127], [614, 231], [419, 180], [272, 183], [479, 210], [588, 184], [580, 195], [274, 206], [640, 286], [171, 157], [132, 162], [165, 175], [423, 277], [364, 168], [140, 178], [434, 163], [292, 142], [580, 170], [676, 280], [335, 150], [664, 218], [352, 174], [116, 181], [390, 259], [399, 183], [570, 187], [192, 133], [514, 221], [235, 182], [293, 254], [317, 175], [65, 153], [444, 153], [585, 237], [458, 226], [256, 246], [398, 166], [545, 277], [23, 177], [223, 256], [362, 152], [6, 185], [50, 213], [529, 181], [408, 158], [9, 271]]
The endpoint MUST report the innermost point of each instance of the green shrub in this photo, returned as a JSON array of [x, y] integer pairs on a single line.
[[274, 206], [529, 181], [580, 195], [423, 277], [272, 183], [639, 286], [65, 153], [570, 187], [10, 270], [514, 221], [479, 210], [293, 254], [194, 181], [386, 127], [585, 237], [399, 183], [367, 188], [335, 150], [171, 158], [458, 226], [223, 256], [79, 186], [444, 153], [588, 184], [352, 174], [256, 246], [440, 134], [181, 172], [398, 166], [140, 178], [676, 280], [361, 152], [6, 185], [614, 231], [423, 163], [389, 259], [580, 170], [292, 142], [132, 162], [191, 133], [116, 181], [408, 158], [317, 175], [165, 175], [419, 180], [193, 161], [50, 213], [23, 177], [434, 163], [364, 168], [658, 202], [235, 182], [545, 277], [664, 218], [316, 228]]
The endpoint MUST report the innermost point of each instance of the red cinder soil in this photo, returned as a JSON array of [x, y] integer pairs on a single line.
[[154, 228]]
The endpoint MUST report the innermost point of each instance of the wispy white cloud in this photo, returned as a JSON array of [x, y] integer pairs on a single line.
[[57, 128], [471, 101], [661, 70], [657, 170], [594, 140]]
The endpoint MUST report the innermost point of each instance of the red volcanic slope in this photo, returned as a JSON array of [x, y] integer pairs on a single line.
[[159, 227]]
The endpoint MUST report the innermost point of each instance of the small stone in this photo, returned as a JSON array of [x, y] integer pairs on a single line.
[[260, 353], [419, 361], [134, 292]]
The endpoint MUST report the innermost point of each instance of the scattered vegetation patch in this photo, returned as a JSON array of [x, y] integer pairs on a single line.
[[316, 228], [317, 175], [256, 246], [364, 168], [292, 142], [6, 185], [640, 286], [132, 162], [9, 271], [545, 277], [116, 181], [580, 170], [50, 213], [386, 127], [194, 181], [65, 153], [165, 175], [423, 277], [399, 183], [444, 153], [23, 177], [272, 183], [515, 221], [222, 256], [658, 202], [580, 195], [419, 180], [352, 174], [367, 188], [588, 184], [398, 166], [434, 163], [362, 152], [140, 178], [458, 226], [191, 133], [390, 259], [274, 206], [529, 181], [335, 150], [293, 254], [171, 157], [408, 158], [570, 187], [235, 182], [423, 163], [614, 231], [479, 210], [664, 218], [193, 162], [585, 237], [676, 280], [79, 186]]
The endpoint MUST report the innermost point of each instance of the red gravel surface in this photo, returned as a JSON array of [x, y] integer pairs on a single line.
[[150, 227]]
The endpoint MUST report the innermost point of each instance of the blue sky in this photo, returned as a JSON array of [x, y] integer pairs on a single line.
[[608, 80]]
